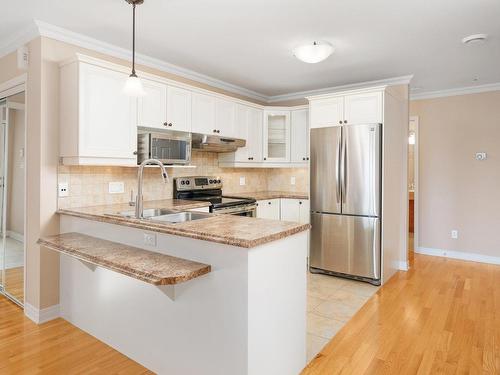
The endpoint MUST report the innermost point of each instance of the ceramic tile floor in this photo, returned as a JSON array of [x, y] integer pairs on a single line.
[[331, 302]]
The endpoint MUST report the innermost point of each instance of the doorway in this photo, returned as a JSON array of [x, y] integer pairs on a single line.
[[412, 186], [12, 196]]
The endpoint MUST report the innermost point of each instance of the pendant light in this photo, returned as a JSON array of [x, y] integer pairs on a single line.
[[133, 85]]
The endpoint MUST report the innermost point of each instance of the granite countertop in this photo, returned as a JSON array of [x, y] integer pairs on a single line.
[[232, 230], [272, 194], [153, 268]]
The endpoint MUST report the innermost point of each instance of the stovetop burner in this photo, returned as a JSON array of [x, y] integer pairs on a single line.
[[206, 189]]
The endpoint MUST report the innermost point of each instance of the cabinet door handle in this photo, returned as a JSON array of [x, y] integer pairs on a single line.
[[169, 124], [218, 131], [307, 158], [165, 124], [268, 202], [303, 158], [345, 121], [300, 202], [340, 122], [265, 158], [135, 152]]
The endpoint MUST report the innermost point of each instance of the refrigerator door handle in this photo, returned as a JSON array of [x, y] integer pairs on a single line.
[[344, 166], [338, 171]]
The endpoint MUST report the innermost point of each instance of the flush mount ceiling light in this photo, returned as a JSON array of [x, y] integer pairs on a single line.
[[133, 85], [313, 53], [475, 39]]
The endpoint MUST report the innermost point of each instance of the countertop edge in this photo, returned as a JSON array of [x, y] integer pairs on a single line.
[[152, 227], [138, 275]]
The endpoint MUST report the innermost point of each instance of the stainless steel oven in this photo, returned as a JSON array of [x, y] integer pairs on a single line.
[[249, 210], [170, 146]]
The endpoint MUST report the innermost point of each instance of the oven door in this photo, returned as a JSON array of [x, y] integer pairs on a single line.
[[248, 210]]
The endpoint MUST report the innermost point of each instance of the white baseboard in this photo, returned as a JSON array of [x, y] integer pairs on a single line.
[[403, 266], [473, 257], [43, 315], [17, 236]]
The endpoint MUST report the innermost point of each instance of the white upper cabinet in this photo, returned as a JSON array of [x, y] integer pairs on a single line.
[[152, 107], [98, 123], [225, 118], [203, 114], [299, 149], [327, 112], [276, 136], [178, 109], [363, 108], [249, 127]]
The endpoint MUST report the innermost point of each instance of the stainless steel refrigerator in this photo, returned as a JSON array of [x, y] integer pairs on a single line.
[[346, 176]]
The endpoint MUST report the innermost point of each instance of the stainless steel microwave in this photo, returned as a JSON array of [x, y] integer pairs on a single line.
[[170, 146]]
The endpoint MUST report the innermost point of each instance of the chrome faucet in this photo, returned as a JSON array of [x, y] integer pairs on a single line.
[[139, 199]]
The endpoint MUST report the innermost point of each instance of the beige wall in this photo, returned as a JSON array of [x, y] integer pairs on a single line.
[[455, 190], [15, 174], [89, 185]]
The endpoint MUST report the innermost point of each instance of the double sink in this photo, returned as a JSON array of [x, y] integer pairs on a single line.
[[166, 215]]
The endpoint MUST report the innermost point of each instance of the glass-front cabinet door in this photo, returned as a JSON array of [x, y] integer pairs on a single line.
[[276, 136]]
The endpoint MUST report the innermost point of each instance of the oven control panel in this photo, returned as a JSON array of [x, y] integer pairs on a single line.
[[198, 183]]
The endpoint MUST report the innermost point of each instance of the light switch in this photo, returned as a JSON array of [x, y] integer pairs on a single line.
[[242, 180], [116, 187], [292, 180]]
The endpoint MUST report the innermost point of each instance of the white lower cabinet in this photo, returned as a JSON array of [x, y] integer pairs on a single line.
[[268, 209], [284, 209], [295, 210]]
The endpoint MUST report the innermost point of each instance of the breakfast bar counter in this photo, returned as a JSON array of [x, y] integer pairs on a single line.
[[246, 316]]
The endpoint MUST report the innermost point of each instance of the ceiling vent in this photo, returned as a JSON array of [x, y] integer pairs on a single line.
[[475, 39]]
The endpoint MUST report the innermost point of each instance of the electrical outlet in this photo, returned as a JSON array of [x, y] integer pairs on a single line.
[[454, 234], [116, 187], [242, 180], [292, 180], [63, 189], [480, 156], [149, 239]]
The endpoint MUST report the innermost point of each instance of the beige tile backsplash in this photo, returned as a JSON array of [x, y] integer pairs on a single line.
[[88, 186]]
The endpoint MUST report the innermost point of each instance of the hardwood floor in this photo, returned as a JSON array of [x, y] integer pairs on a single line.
[[443, 316], [55, 347], [14, 282]]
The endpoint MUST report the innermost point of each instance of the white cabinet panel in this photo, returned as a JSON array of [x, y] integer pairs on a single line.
[[178, 109], [327, 112], [299, 149], [363, 108], [203, 114], [225, 116], [249, 127], [295, 210], [152, 107], [290, 210], [254, 134], [305, 214], [268, 209], [107, 118]]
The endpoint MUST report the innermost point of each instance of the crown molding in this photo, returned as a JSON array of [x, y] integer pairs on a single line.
[[456, 91], [403, 80], [67, 36], [12, 42]]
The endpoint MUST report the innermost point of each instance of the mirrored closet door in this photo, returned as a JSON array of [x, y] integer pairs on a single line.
[[12, 196]]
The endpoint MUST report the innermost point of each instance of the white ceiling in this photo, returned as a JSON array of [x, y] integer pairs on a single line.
[[248, 42]]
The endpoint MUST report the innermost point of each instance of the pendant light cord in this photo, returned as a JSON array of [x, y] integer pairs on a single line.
[[133, 40]]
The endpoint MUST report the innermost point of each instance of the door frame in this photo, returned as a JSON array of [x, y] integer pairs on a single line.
[[415, 120], [8, 88]]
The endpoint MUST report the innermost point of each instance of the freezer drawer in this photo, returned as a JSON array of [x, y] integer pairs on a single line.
[[345, 244]]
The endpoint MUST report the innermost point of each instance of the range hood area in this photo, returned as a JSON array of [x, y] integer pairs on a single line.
[[214, 143]]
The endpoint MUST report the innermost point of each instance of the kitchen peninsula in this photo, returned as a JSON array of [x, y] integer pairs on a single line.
[[245, 313]]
